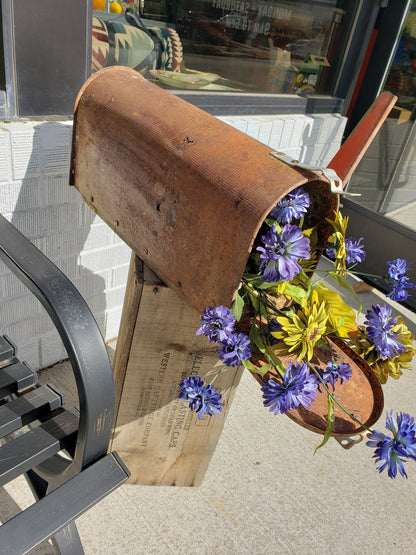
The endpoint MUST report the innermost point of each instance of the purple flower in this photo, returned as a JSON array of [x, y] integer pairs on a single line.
[[235, 349], [292, 206], [330, 253], [217, 323], [334, 372], [354, 251], [202, 398], [398, 292], [379, 326], [391, 453], [397, 269], [281, 252], [299, 387], [398, 281]]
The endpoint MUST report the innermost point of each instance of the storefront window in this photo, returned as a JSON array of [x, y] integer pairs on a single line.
[[386, 177], [257, 46]]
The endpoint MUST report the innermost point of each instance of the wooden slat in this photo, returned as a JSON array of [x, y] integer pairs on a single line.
[[14, 378], [37, 403], [161, 441], [63, 505], [37, 445], [128, 321]]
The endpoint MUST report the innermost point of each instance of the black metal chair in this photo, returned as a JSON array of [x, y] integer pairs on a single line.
[[62, 453]]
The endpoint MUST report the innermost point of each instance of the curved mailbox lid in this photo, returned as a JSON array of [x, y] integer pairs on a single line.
[[185, 191]]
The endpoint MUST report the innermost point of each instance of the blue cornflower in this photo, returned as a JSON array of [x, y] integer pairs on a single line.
[[354, 251], [397, 269], [398, 292], [391, 453], [379, 326], [299, 387], [334, 372], [398, 280], [217, 323], [281, 252], [202, 398], [330, 253], [235, 349], [291, 207]]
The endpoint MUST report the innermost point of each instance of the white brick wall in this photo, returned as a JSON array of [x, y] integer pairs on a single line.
[[36, 197], [312, 139]]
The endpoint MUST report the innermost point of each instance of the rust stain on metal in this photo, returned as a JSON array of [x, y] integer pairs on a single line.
[[362, 395], [185, 191]]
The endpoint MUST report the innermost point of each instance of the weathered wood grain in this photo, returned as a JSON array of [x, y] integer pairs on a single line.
[[161, 441]]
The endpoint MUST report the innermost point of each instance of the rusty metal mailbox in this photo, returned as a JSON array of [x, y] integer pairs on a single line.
[[188, 194], [184, 190]]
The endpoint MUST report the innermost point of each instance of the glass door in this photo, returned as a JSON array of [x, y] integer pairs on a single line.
[[385, 213], [386, 178]]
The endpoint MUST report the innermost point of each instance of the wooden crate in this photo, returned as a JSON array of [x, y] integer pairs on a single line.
[[161, 441]]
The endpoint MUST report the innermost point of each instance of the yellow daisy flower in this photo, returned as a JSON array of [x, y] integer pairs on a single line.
[[338, 239], [301, 330], [391, 367]]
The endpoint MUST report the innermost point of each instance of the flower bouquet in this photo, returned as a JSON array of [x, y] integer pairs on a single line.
[[302, 342]]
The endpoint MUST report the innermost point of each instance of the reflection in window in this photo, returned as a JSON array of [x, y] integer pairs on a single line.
[[386, 176], [276, 46]]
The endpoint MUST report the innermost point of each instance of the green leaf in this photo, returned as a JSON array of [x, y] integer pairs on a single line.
[[342, 282], [255, 302], [238, 305], [296, 293], [322, 344], [250, 277], [257, 339], [275, 362], [269, 221], [331, 422], [262, 370], [266, 284]]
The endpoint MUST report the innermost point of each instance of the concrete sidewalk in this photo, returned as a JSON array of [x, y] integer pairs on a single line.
[[265, 491]]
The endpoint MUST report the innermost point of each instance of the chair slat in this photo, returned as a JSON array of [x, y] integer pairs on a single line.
[[20, 411], [15, 377], [7, 350], [37, 445]]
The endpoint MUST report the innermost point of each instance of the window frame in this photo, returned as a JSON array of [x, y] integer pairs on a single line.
[[16, 105], [213, 102]]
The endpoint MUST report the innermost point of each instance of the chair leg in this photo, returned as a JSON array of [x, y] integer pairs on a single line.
[[67, 541], [38, 486]]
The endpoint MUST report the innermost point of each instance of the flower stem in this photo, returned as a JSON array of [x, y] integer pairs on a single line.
[[348, 271], [335, 400], [364, 274], [261, 299], [217, 374]]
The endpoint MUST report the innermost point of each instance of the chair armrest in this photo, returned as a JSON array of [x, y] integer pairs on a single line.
[[62, 506], [80, 334]]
